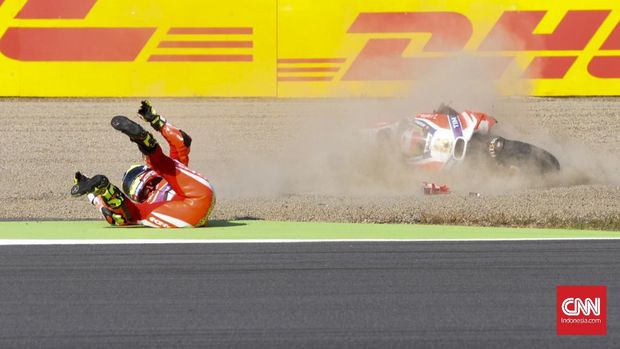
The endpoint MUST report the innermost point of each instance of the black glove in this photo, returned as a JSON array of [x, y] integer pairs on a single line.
[[148, 114]]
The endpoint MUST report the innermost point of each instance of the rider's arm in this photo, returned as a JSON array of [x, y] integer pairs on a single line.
[[115, 207], [119, 210]]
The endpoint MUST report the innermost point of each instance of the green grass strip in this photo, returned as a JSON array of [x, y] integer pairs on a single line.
[[267, 230]]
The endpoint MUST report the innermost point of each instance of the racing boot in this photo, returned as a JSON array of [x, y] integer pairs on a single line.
[[148, 114], [144, 139], [84, 185], [100, 186]]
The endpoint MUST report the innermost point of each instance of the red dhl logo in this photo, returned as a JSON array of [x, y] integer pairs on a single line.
[[450, 32], [383, 59], [106, 44], [513, 32]]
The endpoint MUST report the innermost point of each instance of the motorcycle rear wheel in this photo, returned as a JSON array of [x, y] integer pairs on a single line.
[[525, 156]]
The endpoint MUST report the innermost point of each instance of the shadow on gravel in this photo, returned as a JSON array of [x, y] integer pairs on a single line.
[[220, 224], [215, 223]]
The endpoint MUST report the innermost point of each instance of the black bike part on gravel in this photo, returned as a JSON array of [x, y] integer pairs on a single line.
[[521, 154]]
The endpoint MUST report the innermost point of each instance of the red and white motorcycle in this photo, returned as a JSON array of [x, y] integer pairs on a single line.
[[445, 138]]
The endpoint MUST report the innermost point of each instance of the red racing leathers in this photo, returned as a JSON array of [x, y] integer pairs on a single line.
[[182, 198]]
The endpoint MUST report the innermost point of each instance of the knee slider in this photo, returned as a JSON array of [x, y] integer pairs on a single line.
[[187, 140]]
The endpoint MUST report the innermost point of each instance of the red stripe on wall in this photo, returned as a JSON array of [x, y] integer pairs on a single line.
[[46, 9], [205, 44], [394, 67], [514, 30], [605, 67], [312, 60], [549, 67], [192, 31], [74, 44], [613, 40], [201, 58], [305, 78], [450, 30], [308, 70]]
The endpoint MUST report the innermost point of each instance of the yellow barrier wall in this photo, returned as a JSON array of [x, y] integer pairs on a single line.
[[564, 47], [295, 48], [131, 48]]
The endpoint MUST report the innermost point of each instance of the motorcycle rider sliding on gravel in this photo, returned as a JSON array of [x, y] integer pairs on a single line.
[[164, 193]]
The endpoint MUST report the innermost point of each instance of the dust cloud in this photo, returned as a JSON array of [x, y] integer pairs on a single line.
[[324, 153]]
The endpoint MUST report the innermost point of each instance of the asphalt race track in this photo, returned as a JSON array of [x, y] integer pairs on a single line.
[[431, 294]]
